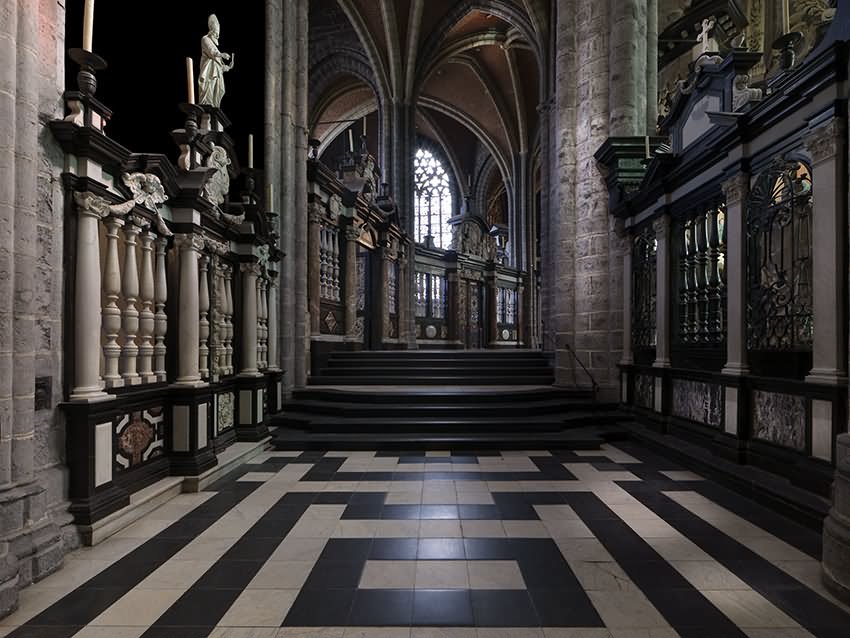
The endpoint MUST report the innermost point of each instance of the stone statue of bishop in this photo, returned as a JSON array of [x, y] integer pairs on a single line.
[[213, 66]]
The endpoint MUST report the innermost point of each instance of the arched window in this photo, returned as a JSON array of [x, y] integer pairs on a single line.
[[433, 200]]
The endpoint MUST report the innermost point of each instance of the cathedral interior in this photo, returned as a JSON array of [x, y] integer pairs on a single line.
[[424, 319]]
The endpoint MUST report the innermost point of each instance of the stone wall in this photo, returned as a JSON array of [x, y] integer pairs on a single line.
[[33, 485]]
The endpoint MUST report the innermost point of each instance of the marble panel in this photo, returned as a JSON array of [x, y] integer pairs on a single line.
[[644, 391], [698, 401], [779, 418]]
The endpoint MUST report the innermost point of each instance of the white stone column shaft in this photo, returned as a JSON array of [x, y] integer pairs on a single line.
[[250, 272], [273, 356], [827, 146], [628, 356], [203, 318], [188, 310], [737, 191]]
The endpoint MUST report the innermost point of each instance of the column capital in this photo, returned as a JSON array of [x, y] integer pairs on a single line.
[[93, 205], [824, 142], [736, 189], [352, 233], [661, 226], [250, 268], [189, 241], [314, 212]]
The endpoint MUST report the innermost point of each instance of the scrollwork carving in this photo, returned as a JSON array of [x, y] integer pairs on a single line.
[[218, 185], [100, 206]]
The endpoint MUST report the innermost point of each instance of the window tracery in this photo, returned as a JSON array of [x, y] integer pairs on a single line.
[[433, 192]]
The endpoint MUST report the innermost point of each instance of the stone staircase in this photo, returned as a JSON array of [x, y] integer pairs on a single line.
[[438, 399]]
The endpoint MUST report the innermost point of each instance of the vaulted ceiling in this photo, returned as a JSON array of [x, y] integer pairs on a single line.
[[471, 67]]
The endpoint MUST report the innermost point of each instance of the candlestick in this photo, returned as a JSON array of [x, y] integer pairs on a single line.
[[350, 141], [786, 16], [646, 140], [88, 25], [250, 151], [190, 80]]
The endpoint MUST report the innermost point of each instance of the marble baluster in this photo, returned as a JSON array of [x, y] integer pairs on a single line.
[[203, 317], [228, 297], [146, 314], [130, 315], [314, 274], [111, 311], [160, 317]]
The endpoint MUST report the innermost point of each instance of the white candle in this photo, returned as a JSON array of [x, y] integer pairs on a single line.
[[350, 141], [269, 195], [786, 16], [250, 151], [646, 140], [469, 181], [364, 126], [88, 24], [190, 79]]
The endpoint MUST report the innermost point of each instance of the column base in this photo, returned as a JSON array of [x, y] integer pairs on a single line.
[[87, 395], [99, 504], [827, 377], [251, 410], [193, 463], [662, 363], [735, 370], [190, 382]]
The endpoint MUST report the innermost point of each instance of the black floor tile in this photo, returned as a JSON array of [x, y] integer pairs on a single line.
[[229, 574], [333, 498], [333, 574], [442, 608], [438, 512], [689, 608], [394, 549], [441, 549], [401, 512], [564, 608], [199, 608], [503, 608], [382, 608], [363, 511], [551, 574], [43, 631], [368, 498], [321, 608], [517, 512], [488, 549], [346, 549], [79, 607], [479, 512], [251, 548]]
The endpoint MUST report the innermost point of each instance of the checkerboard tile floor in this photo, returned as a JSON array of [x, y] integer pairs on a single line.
[[609, 543]]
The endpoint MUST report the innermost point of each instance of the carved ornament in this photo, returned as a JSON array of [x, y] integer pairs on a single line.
[[823, 143], [100, 207]]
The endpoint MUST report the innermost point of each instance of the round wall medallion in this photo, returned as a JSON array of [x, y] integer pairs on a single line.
[[430, 332], [506, 334]]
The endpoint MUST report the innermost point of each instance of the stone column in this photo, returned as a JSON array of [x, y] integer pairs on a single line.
[[737, 191], [314, 228], [628, 67], [188, 310], [661, 226], [492, 307], [352, 234], [381, 309], [301, 126], [88, 386], [652, 66], [827, 145], [273, 358], [250, 272]]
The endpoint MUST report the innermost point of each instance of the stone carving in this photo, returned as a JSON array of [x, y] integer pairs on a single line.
[[780, 419], [644, 391], [468, 238], [218, 185], [706, 37], [216, 247], [334, 207], [213, 66], [698, 401], [138, 437], [100, 206], [742, 93], [225, 414], [822, 143], [148, 191], [736, 189]]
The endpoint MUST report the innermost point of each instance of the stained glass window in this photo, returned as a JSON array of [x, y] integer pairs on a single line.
[[433, 200]]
